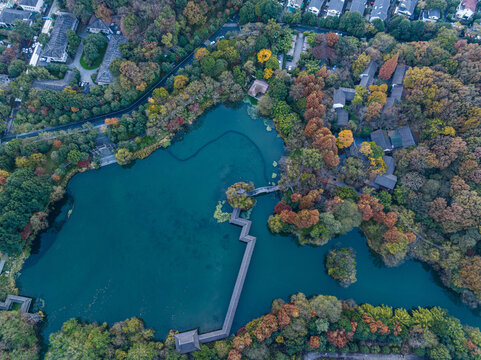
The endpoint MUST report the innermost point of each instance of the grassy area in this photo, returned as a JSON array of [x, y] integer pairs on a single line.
[[96, 63]]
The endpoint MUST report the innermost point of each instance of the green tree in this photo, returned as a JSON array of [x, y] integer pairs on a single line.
[[16, 68], [18, 337]]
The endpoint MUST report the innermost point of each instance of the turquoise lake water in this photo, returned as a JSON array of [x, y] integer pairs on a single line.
[[142, 241]]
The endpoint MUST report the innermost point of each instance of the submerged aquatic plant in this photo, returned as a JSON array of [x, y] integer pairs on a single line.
[[220, 215]]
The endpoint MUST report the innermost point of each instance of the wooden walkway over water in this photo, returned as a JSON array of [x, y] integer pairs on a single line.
[[189, 340], [14, 299]]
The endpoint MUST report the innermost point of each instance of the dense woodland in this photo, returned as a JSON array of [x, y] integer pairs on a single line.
[[433, 214]]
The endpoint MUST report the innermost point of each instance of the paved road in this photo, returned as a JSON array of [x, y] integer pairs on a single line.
[[314, 356], [85, 75], [99, 120]]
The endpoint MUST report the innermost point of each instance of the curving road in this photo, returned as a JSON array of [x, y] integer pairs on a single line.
[[97, 121]]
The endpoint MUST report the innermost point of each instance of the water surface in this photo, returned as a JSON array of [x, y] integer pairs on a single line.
[[143, 242]]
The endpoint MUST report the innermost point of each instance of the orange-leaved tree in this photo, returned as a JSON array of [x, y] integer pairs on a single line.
[[387, 69]]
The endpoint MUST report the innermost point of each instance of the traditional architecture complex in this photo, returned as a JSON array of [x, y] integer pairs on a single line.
[[56, 48]]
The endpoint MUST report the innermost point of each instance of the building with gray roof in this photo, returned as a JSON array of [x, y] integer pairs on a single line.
[[342, 95], [295, 4], [381, 139], [104, 76], [187, 341], [398, 77], [406, 7], [56, 85], [402, 137], [258, 87], [97, 25], [358, 5], [9, 16], [387, 182], [432, 15], [335, 7], [389, 160], [367, 76], [342, 117], [315, 6], [56, 48], [31, 5], [380, 10]]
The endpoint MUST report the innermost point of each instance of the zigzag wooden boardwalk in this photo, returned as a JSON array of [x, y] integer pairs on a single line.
[[189, 341]]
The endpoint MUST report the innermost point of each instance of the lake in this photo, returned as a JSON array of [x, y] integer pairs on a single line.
[[142, 241]]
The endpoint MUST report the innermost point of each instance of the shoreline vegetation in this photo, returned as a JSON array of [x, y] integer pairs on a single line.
[[431, 213], [320, 323]]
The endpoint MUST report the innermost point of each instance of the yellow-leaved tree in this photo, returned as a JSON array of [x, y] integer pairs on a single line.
[[344, 139], [264, 55]]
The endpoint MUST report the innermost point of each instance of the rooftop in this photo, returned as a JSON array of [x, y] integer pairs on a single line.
[[99, 24], [57, 44], [9, 16], [358, 5], [56, 85], [258, 87], [380, 9], [397, 92], [367, 75], [407, 6], [28, 2], [187, 341], [315, 4], [335, 6], [386, 181], [381, 139], [342, 95], [468, 4], [398, 77], [389, 160], [104, 76], [342, 117]]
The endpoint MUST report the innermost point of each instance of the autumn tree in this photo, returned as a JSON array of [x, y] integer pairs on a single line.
[[180, 81], [264, 55], [388, 68], [194, 14], [344, 139]]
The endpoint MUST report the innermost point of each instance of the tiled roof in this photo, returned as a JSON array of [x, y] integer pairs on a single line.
[[367, 75], [381, 139], [398, 77], [406, 136], [28, 2], [96, 23], [9, 16], [258, 86], [358, 5], [342, 117], [104, 76], [315, 4], [469, 4], [56, 85], [380, 9], [186, 342], [336, 5], [389, 160], [386, 181], [57, 44]]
